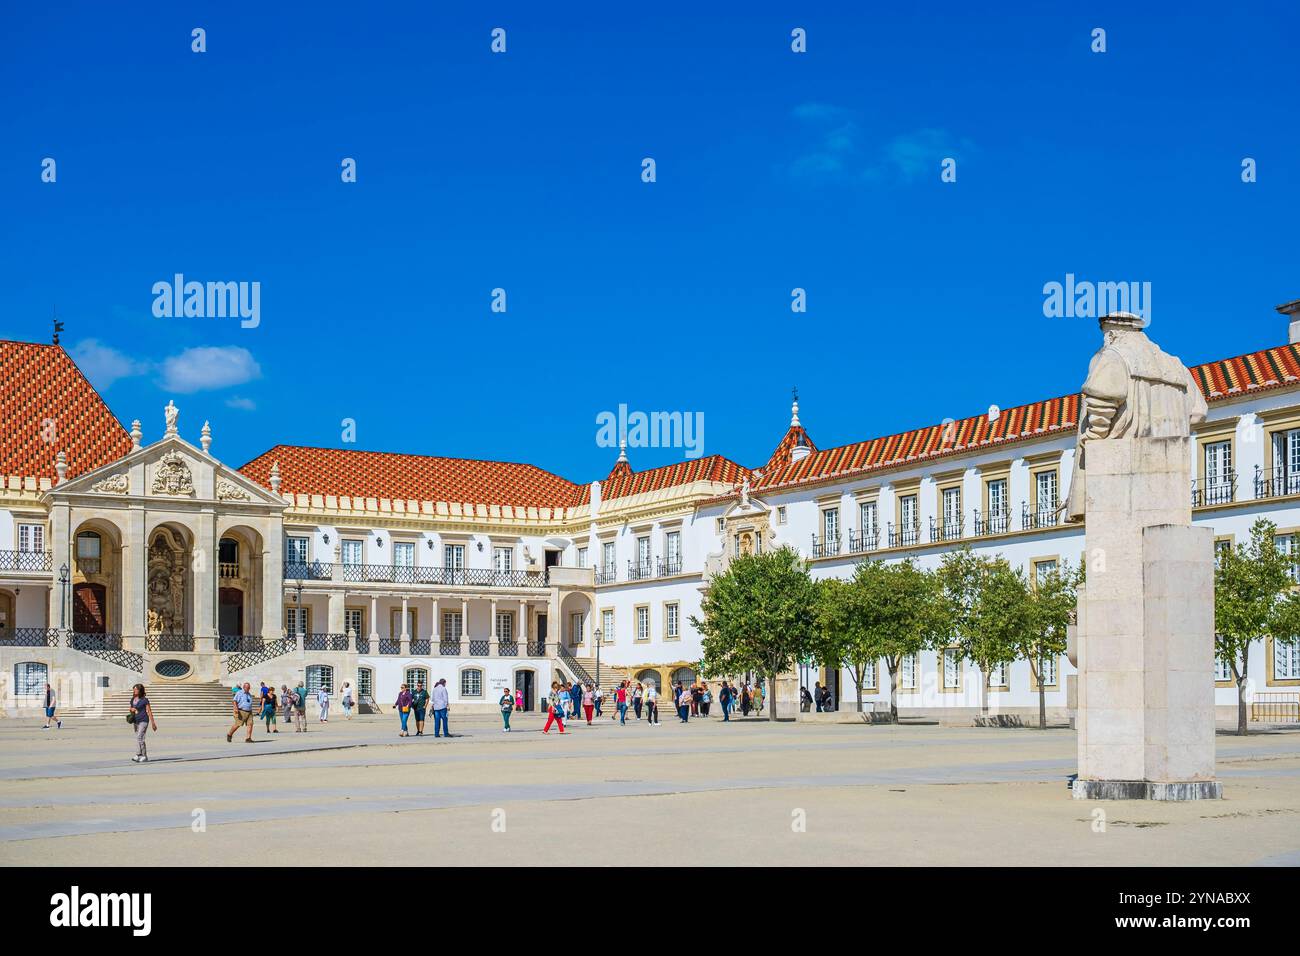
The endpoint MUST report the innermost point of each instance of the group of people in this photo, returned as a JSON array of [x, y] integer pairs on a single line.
[[292, 702], [821, 698], [417, 703], [569, 701]]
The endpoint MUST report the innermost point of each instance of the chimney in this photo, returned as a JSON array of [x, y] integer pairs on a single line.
[[1292, 311]]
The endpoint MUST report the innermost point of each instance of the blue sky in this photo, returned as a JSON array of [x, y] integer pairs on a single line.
[[522, 171]]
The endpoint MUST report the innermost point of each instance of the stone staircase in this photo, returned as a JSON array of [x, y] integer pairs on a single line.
[[610, 674], [168, 700]]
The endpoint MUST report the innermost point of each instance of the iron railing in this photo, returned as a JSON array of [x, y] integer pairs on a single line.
[[479, 646], [1044, 516], [640, 570], [173, 643], [30, 637], [994, 522], [324, 642], [536, 647], [244, 643], [362, 643], [905, 536], [860, 541], [421, 646], [1276, 482], [95, 642], [26, 561], [456, 577], [948, 529], [1215, 491], [390, 645], [448, 648], [825, 546], [606, 575], [267, 650], [308, 570], [577, 672], [669, 566], [507, 648], [1276, 708]]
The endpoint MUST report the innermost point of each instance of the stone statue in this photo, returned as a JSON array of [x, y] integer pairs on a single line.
[[171, 413], [1133, 390], [155, 622]]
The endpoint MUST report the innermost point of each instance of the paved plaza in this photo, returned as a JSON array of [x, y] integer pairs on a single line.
[[742, 793]]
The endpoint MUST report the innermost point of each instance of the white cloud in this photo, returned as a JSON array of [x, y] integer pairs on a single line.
[[209, 367], [103, 364], [241, 403], [837, 148]]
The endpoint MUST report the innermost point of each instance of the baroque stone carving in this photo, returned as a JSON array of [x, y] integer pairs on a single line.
[[112, 485], [229, 491], [172, 476]]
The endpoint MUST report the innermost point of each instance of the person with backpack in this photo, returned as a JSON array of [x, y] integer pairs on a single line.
[[286, 701], [419, 706], [555, 708], [507, 704], [141, 718], [347, 700], [300, 708], [403, 705]]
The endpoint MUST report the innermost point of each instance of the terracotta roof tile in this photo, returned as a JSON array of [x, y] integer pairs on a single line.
[[621, 483], [39, 383]]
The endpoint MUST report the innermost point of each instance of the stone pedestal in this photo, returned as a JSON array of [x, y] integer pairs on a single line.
[[1146, 629], [786, 695]]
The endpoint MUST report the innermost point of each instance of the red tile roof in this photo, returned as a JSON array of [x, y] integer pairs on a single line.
[[622, 483], [39, 383], [376, 474], [1267, 368]]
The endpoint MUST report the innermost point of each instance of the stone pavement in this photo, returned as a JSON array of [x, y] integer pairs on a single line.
[[709, 792]]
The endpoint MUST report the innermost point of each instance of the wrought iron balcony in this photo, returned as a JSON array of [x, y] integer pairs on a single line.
[[1044, 516], [448, 648], [362, 643], [421, 646], [30, 637], [23, 561], [904, 537], [324, 642], [826, 546], [95, 642], [536, 647], [479, 646], [456, 577], [863, 541], [390, 645], [947, 530], [1217, 490], [507, 648], [1276, 482], [640, 570], [995, 522], [670, 566], [242, 643], [606, 575], [306, 571], [172, 643]]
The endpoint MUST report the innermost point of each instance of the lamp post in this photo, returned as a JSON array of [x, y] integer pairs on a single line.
[[63, 600], [599, 636]]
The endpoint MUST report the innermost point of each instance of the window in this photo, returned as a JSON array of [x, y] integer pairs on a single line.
[[1220, 546], [1286, 461], [643, 623], [365, 683], [297, 620], [907, 671], [607, 624], [582, 557], [831, 525], [870, 520], [643, 554], [998, 496], [505, 627], [869, 676], [720, 525], [503, 559], [453, 627], [673, 551], [1046, 669], [88, 550], [295, 550], [352, 552], [672, 620], [320, 677], [395, 628], [31, 538], [471, 682], [575, 627], [1000, 675], [951, 511], [403, 554], [907, 515], [951, 668], [1222, 669], [1286, 544], [1286, 660], [608, 557], [416, 675], [1042, 569], [780, 515], [1218, 462], [1045, 491], [30, 677], [354, 621], [453, 557]]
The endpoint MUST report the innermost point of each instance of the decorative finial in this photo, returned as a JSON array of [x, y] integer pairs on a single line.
[[61, 467], [171, 413], [58, 326], [136, 435], [275, 476], [794, 407], [622, 450], [206, 440]]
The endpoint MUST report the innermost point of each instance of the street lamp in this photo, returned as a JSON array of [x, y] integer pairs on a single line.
[[63, 602], [599, 635]]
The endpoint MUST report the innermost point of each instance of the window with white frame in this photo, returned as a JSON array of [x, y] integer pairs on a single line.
[[1222, 669], [1045, 490], [907, 513], [673, 551], [319, 677], [780, 514], [354, 621], [582, 557], [1047, 669], [453, 627], [297, 620], [952, 510], [607, 624], [296, 549], [352, 551], [365, 683], [830, 525], [30, 677], [720, 525], [643, 554], [869, 520], [453, 557], [576, 620], [998, 497], [1286, 660], [1220, 546], [1000, 675], [1286, 461], [1218, 462], [1042, 569], [643, 624], [503, 559], [869, 675], [416, 675], [672, 622], [951, 668], [31, 538], [403, 554], [505, 627], [471, 682], [1286, 544], [907, 671], [608, 560]]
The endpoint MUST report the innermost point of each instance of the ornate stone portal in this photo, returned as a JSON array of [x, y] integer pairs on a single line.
[[1146, 617], [166, 585]]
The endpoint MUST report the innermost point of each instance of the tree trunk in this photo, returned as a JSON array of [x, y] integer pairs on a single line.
[[893, 690], [984, 704], [770, 696]]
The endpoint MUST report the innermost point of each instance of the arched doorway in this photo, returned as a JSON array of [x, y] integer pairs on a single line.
[[683, 675], [650, 678], [95, 594], [167, 582], [526, 682], [239, 584], [89, 608], [7, 620]]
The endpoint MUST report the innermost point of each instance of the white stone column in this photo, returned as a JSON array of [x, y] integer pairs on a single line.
[[405, 636], [205, 581], [494, 649], [131, 575], [336, 604], [464, 626], [272, 579], [374, 619]]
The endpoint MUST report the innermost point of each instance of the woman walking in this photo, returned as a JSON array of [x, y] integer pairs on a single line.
[[588, 702], [268, 709], [684, 703], [403, 705], [706, 698], [652, 705], [507, 704], [638, 697], [142, 720], [347, 700], [555, 708], [745, 700]]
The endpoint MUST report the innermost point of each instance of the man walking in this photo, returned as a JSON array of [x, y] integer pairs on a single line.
[[441, 701], [243, 705], [300, 709], [651, 705], [724, 698], [420, 704], [51, 705]]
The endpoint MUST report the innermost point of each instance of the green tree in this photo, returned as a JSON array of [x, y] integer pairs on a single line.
[[857, 620], [1254, 598], [909, 619], [760, 614], [1000, 616], [1052, 600]]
